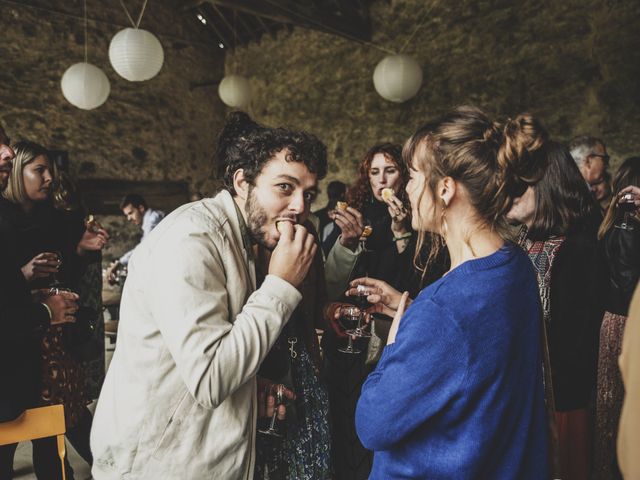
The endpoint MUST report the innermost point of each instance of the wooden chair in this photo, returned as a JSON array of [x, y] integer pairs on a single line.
[[37, 423]]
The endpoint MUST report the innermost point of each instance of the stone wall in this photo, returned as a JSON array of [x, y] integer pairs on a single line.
[[154, 130], [575, 63]]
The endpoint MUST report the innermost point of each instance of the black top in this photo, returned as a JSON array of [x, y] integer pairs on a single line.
[[622, 251], [22, 322], [578, 292]]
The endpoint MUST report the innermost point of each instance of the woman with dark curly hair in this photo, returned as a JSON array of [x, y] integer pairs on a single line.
[[387, 242], [378, 205]]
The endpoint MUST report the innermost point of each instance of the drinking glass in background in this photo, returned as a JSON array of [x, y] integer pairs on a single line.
[[350, 317], [54, 279], [627, 206], [91, 224]]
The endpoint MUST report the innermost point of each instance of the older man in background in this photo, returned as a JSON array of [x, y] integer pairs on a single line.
[[590, 155]]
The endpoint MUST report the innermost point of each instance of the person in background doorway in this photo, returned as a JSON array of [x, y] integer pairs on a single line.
[[137, 211]]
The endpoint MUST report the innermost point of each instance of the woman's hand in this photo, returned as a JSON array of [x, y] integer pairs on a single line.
[[351, 224], [398, 215], [62, 304], [384, 297], [332, 316], [396, 319], [633, 192], [40, 266], [92, 241]]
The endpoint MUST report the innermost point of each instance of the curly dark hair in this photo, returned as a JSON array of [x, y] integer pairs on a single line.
[[247, 145], [360, 192]]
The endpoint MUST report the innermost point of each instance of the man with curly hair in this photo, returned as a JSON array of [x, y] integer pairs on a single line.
[[179, 400]]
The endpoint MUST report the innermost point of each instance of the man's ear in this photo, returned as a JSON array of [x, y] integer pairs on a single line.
[[240, 184]]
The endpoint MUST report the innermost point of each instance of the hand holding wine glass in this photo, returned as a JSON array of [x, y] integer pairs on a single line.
[[62, 304], [272, 399], [628, 205], [631, 194], [94, 238], [383, 297]]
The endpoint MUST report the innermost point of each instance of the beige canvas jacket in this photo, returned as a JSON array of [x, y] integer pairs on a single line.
[[629, 431], [179, 399]]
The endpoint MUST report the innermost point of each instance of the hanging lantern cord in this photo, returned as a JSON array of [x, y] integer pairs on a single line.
[[422, 22], [134, 24], [86, 52], [144, 5]]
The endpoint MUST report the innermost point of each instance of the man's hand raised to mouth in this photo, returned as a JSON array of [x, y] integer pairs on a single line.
[[292, 257]]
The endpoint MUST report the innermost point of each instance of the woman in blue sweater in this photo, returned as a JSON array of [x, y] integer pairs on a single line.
[[458, 392]]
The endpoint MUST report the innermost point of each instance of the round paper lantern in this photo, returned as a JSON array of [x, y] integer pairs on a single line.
[[397, 78], [85, 86], [136, 54], [234, 91]]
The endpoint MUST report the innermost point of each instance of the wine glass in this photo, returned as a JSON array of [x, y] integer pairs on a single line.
[[54, 280], [362, 292], [628, 208], [349, 320], [271, 429]]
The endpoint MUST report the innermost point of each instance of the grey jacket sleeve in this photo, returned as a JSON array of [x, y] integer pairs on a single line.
[[338, 267]]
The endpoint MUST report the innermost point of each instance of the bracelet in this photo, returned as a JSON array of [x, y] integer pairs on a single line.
[[403, 236], [48, 310]]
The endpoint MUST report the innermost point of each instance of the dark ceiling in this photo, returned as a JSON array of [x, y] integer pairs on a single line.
[[238, 22]]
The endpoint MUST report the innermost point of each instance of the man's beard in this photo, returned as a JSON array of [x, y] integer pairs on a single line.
[[256, 220]]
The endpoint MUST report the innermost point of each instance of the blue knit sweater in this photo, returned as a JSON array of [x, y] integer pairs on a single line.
[[459, 394]]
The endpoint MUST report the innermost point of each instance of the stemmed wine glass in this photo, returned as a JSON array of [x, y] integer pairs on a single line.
[[54, 280], [349, 320], [628, 207], [271, 430], [361, 294]]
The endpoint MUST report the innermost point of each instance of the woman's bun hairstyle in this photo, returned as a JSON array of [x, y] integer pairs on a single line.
[[520, 161]]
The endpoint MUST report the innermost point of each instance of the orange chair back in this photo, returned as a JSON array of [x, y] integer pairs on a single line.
[[37, 423]]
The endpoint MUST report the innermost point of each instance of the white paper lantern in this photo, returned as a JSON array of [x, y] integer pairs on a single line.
[[136, 54], [85, 86], [234, 91], [397, 78]]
